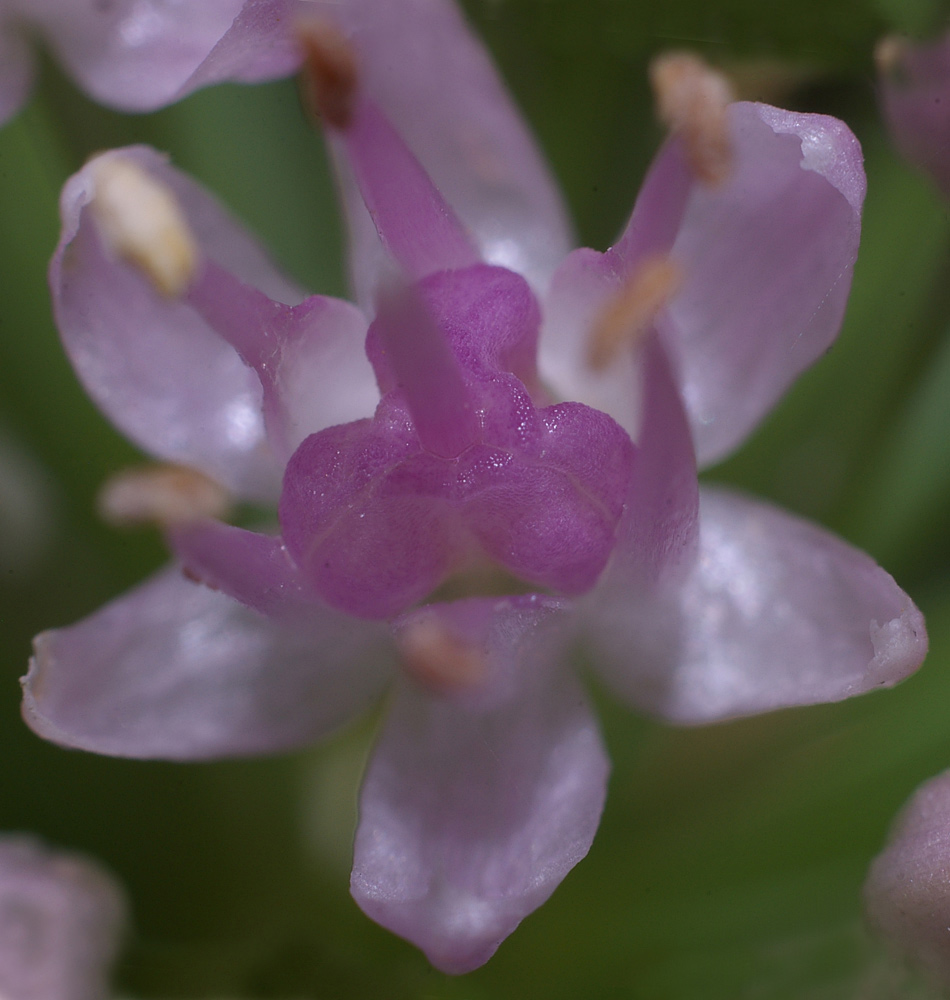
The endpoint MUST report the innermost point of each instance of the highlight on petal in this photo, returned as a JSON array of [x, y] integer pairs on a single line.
[[465, 131], [151, 363], [767, 259], [137, 55], [472, 812], [776, 612], [61, 917], [173, 670], [907, 892], [914, 87]]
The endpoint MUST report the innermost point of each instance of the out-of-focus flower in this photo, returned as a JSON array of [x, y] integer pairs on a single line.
[[27, 508], [447, 522], [138, 55], [914, 84], [60, 922], [907, 894]]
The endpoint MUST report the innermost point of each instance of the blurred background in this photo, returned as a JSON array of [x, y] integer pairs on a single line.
[[730, 859]]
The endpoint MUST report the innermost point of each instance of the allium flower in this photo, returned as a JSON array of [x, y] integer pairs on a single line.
[[915, 96], [452, 521], [60, 920], [907, 894], [137, 55]]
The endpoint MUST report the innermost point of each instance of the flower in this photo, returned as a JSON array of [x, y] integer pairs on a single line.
[[907, 892], [138, 55], [914, 84], [452, 522], [60, 921]]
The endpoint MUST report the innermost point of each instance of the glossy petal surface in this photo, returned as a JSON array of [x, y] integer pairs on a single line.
[[907, 893], [60, 920], [137, 55], [176, 671], [471, 814], [767, 260], [777, 612], [152, 364]]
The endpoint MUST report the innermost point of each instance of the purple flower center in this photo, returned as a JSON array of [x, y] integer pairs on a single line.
[[458, 464]]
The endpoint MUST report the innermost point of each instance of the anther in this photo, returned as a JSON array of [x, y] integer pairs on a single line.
[[691, 100], [627, 317], [165, 495], [330, 75], [889, 55], [435, 657], [141, 222]]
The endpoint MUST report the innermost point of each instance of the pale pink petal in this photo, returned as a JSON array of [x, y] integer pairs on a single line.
[[777, 612], [471, 814], [767, 260], [309, 358], [907, 893], [176, 671], [915, 94], [587, 280], [16, 71], [137, 55], [435, 83], [657, 536], [152, 364], [61, 916]]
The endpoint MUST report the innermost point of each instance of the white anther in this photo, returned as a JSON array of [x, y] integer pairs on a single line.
[[691, 100], [161, 494], [628, 315], [141, 222], [435, 657]]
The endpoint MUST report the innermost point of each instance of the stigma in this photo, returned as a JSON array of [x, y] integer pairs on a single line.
[[141, 222]]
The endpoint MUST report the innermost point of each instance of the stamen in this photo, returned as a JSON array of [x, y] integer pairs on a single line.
[[438, 659], [330, 75], [889, 55], [161, 494], [141, 222], [629, 315], [691, 100]]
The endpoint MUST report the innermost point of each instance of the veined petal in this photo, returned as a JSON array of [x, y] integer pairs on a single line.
[[915, 96], [767, 259], [16, 71], [61, 916], [472, 814], [137, 55], [907, 893], [433, 80], [173, 670], [152, 364], [776, 612]]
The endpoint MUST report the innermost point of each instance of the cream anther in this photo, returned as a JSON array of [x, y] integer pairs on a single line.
[[889, 55], [436, 658], [330, 75], [691, 100], [141, 222], [628, 316], [161, 494]]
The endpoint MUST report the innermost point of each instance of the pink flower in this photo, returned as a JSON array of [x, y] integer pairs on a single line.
[[914, 83], [452, 522], [137, 55], [60, 919]]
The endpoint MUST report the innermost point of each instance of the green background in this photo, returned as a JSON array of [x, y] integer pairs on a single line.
[[730, 859]]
